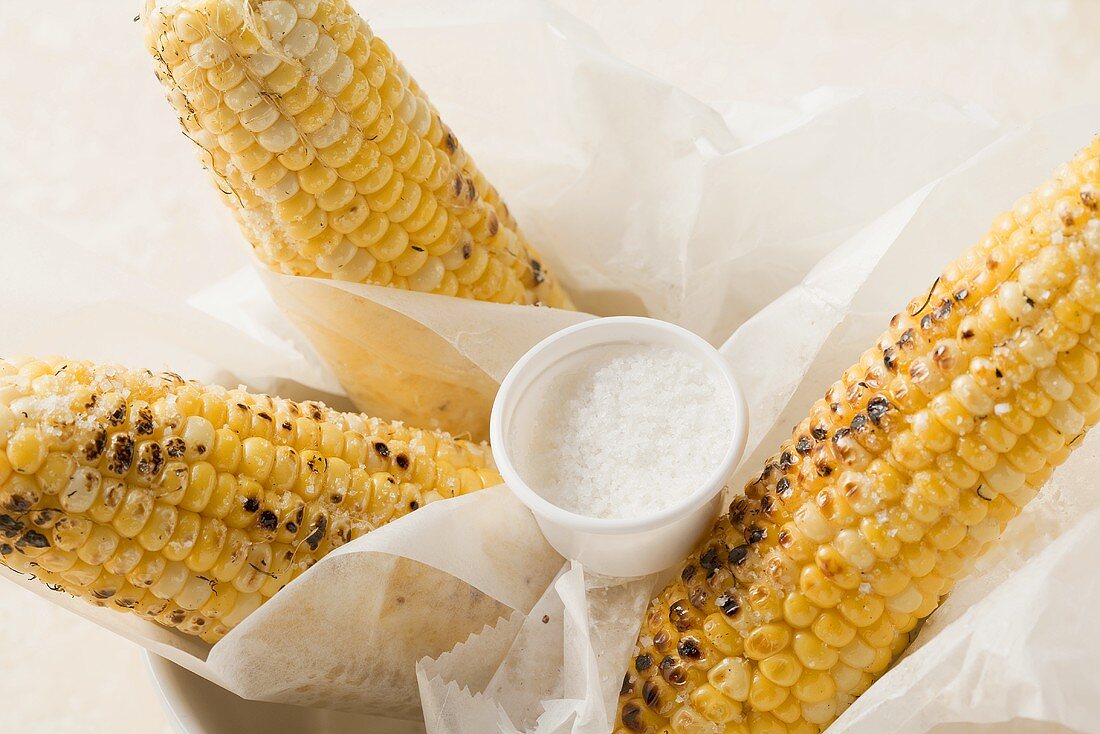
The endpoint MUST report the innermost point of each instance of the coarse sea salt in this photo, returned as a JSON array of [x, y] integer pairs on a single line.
[[624, 430]]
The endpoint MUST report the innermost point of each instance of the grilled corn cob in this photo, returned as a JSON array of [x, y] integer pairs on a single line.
[[899, 478], [191, 505], [331, 157]]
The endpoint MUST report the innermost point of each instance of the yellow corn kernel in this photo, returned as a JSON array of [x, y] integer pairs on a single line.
[[798, 610], [26, 451], [814, 686], [831, 629], [53, 476], [713, 705], [226, 455], [732, 677], [766, 640], [812, 652], [147, 571], [782, 669], [818, 589], [764, 695], [257, 457]]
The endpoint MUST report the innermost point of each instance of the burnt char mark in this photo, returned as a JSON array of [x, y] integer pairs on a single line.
[[9, 526], [631, 715], [728, 604], [755, 534], [738, 555], [689, 648], [877, 408], [118, 416], [314, 539], [18, 504], [96, 446], [152, 460], [627, 687], [32, 539], [120, 453], [709, 559], [175, 447], [143, 422], [268, 520]]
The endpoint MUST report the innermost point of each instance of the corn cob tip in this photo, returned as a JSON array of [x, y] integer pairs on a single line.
[[331, 156]]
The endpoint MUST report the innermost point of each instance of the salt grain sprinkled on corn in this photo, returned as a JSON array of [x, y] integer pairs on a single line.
[[626, 431]]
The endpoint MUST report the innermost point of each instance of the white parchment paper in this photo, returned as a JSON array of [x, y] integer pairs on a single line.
[[786, 231]]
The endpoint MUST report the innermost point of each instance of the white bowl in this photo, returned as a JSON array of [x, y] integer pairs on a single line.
[[625, 547], [196, 706]]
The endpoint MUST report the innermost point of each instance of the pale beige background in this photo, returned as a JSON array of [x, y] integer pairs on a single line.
[[85, 136]]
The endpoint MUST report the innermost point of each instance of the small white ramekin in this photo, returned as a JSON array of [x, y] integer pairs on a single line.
[[622, 547]]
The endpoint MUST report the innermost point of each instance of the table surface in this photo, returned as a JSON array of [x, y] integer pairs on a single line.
[[83, 108]]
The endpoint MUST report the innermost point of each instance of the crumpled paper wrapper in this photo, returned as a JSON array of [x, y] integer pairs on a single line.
[[795, 226]]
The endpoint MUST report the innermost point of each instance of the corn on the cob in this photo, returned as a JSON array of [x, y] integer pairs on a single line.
[[192, 505], [884, 496], [331, 157]]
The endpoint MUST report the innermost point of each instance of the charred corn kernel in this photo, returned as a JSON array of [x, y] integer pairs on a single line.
[[175, 503], [308, 123], [904, 472]]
